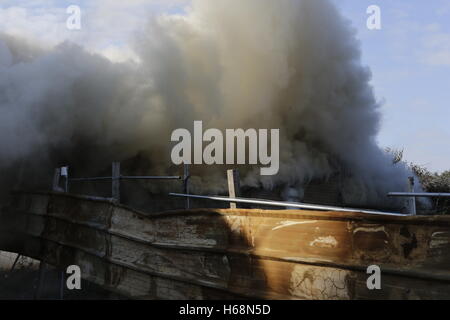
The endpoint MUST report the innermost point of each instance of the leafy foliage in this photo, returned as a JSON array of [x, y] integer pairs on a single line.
[[435, 182], [431, 182]]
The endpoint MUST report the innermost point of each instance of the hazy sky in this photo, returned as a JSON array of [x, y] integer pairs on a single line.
[[409, 57]]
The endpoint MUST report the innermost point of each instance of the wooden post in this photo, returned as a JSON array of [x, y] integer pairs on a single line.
[[186, 176], [56, 177], [233, 185], [116, 181]]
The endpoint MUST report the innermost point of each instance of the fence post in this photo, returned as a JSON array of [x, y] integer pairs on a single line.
[[116, 181], [412, 200], [65, 174], [186, 176], [233, 185], [56, 177]]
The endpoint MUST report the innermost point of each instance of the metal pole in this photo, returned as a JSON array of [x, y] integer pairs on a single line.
[[286, 204], [128, 178], [151, 177], [186, 176], [65, 174], [90, 179], [419, 194], [116, 181], [412, 200]]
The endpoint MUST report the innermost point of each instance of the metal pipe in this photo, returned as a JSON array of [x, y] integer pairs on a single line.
[[418, 194], [90, 179], [151, 177], [129, 178], [412, 200], [284, 204]]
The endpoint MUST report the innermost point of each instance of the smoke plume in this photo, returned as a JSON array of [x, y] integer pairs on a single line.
[[288, 64]]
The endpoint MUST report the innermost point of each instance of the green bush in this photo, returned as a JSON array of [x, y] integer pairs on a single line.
[[435, 182], [431, 182]]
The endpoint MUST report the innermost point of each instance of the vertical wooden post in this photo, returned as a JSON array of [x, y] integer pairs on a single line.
[[233, 185], [412, 200], [56, 177], [116, 181], [186, 176]]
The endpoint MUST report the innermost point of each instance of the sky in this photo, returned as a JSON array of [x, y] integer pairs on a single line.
[[410, 62], [409, 56]]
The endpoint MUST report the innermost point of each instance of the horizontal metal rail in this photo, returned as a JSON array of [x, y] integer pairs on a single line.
[[90, 179], [128, 178], [418, 194], [116, 178], [151, 177], [285, 204]]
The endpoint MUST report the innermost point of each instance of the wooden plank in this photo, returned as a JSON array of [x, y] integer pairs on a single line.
[[204, 254]]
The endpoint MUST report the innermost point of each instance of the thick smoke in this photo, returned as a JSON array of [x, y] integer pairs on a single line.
[[288, 64]]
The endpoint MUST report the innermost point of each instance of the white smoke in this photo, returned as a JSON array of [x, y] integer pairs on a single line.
[[288, 64]]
